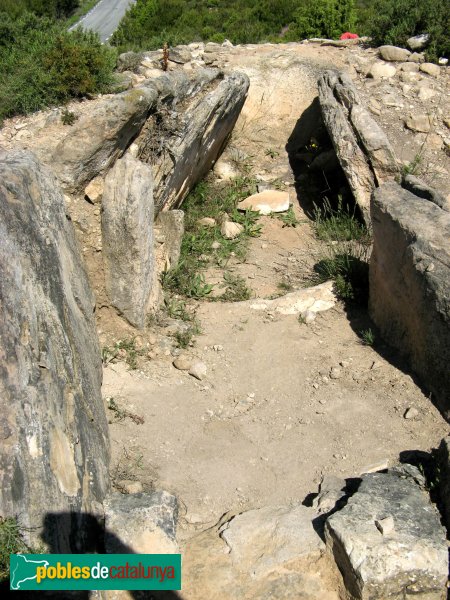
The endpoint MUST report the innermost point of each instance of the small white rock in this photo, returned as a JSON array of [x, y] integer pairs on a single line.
[[411, 413], [207, 222], [183, 362], [198, 370], [336, 373], [231, 230]]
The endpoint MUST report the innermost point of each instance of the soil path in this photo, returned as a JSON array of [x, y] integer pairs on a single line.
[[268, 420]]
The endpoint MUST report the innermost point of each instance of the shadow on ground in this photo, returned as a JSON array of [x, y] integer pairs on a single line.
[[80, 533]]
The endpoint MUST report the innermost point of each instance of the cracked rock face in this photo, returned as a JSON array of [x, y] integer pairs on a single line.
[[388, 541], [55, 445], [127, 232], [361, 146], [412, 311]]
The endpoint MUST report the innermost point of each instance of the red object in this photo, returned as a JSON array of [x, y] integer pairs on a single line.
[[349, 36]]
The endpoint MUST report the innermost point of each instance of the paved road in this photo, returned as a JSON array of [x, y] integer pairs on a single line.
[[105, 17]]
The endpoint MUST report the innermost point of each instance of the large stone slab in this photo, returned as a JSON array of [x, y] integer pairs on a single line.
[[361, 146], [183, 145], [54, 454], [388, 541], [99, 137], [127, 234], [410, 284], [272, 552]]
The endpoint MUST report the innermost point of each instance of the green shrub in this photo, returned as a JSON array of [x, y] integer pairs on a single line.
[[56, 9], [338, 224], [149, 23], [11, 542], [347, 251], [394, 21], [43, 64], [325, 18]]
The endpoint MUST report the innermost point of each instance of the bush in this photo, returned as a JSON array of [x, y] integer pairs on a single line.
[[346, 258], [325, 18], [56, 9], [394, 21], [150, 23], [43, 64]]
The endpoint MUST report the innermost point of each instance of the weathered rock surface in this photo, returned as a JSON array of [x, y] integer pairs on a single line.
[[444, 464], [99, 137], [381, 70], [127, 233], [430, 69], [188, 147], [171, 226], [315, 299], [225, 170], [265, 553], [267, 202], [412, 310], [361, 146], [418, 122], [418, 42], [422, 190], [393, 53], [331, 494], [94, 190], [55, 447], [231, 230], [141, 523], [388, 540]]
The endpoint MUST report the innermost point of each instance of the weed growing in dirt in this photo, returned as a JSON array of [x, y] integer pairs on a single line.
[[412, 168], [347, 252], [272, 153], [122, 349], [121, 413], [236, 289], [338, 224], [288, 218], [184, 337], [285, 286], [204, 245], [129, 463], [348, 267], [11, 542], [68, 117], [177, 309], [367, 337]]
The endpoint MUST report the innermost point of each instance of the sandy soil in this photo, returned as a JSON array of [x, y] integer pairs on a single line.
[[268, 420]]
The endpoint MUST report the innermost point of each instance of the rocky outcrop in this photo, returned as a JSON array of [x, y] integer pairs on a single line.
[[273, 552], [422, 190], [388, 541], [179, 121], [182, 145], [55, 447], [410, 283], [99, 137], [127, 234], [361, 146], [169, 230]]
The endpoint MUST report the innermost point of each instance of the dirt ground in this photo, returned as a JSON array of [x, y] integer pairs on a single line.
[[270, 418]]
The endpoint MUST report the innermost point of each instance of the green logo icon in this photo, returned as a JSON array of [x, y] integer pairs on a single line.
[[95, 572]]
